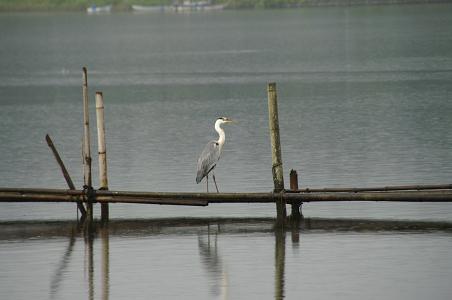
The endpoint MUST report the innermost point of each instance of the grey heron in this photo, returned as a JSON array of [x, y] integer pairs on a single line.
[[211, 154]]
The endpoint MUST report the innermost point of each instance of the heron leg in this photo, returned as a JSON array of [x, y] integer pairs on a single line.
[[213, 175], [207, 181]]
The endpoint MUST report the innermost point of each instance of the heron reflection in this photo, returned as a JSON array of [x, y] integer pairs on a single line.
[[211, 260]]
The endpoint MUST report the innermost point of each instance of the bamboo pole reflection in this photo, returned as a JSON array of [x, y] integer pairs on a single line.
[[89, 259], [58, 276], [105, 235], [211, 260], [90, 235]]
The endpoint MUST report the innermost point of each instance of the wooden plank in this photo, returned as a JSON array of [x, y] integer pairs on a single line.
[[55, 195], [396, 196], [160, 201], [32, 197], [376, 189], [212, 197]]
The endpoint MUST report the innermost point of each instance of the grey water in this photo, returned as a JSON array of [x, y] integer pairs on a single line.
[[364, 100]]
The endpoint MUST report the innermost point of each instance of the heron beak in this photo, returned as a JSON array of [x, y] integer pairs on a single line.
[[232, 121]]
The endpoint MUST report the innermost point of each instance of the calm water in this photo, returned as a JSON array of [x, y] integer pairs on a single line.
[[364, 99], [226, 259]]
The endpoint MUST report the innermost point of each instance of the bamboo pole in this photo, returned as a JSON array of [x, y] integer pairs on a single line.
[[277, 168], [66, 175], [375, 189], [103, 179], [86, 146], [396, 196], [296, 205], [173, 198]]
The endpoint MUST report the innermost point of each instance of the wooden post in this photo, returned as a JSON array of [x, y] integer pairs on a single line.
[[86, 147], [103, 179], [277, 169], [66, 175], [296, 205]]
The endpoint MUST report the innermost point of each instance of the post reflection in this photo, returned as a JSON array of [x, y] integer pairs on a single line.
[[212, 263], [295, 232], [280, 251], [280, 261], [105, 236], [89, 259], [91, 232], [62, 265]]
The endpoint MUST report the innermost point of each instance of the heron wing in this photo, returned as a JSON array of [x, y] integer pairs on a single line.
[[208, 159]]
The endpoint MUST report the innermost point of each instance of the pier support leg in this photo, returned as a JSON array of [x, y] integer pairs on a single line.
[[296, 206], [87, 179], [103, 178], [277, 168]]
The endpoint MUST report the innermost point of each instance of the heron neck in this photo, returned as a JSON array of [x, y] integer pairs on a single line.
[[220, 131]]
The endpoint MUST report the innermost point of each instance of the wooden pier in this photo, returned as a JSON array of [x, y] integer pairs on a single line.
[[414, 194], [87, 196]]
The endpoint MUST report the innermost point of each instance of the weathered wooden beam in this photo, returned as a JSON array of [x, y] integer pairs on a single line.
[[66, 175], [277, 168], [67, 197], [40, 191], [160, 201], [102, 151], [374, 189], [37, 197], [53, 195], [396, 196], [211, 197]]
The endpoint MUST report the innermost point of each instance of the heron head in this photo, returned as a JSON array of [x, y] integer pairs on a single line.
[[225, 120]]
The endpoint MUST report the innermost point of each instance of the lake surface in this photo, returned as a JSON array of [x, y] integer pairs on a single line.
[[364, 100]]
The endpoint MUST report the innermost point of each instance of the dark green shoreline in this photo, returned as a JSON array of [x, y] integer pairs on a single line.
[[125, 5]]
